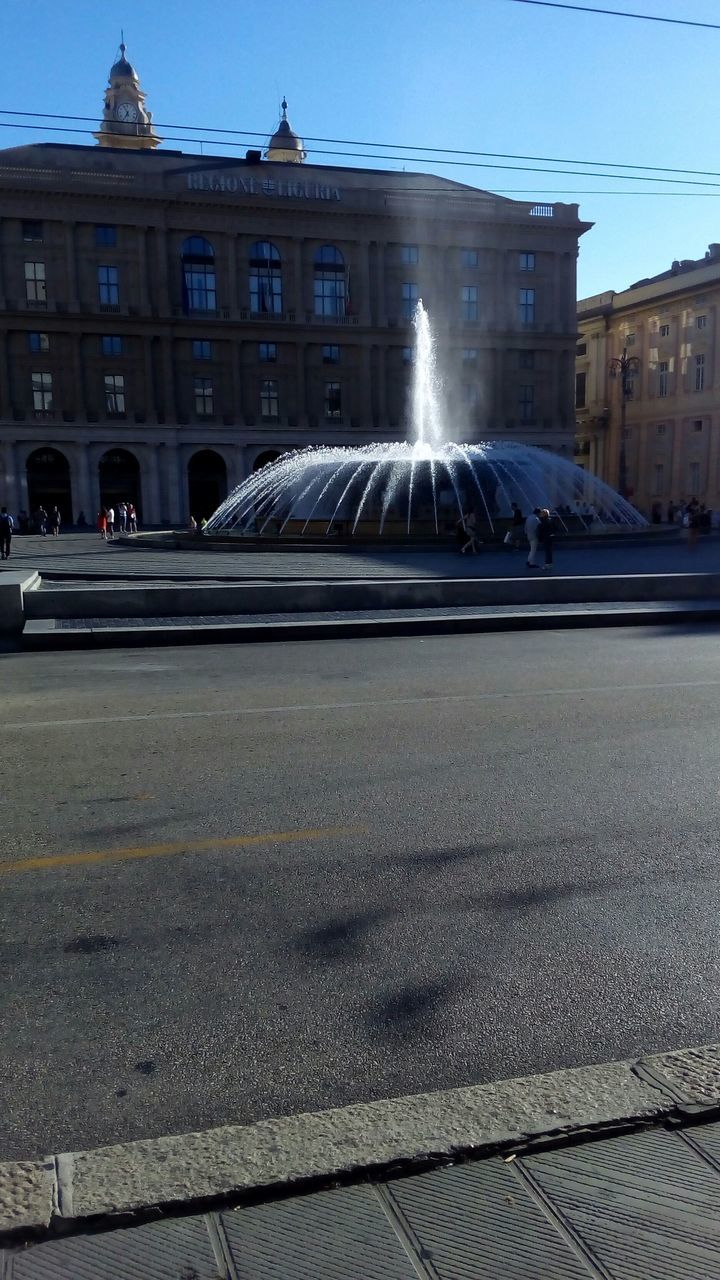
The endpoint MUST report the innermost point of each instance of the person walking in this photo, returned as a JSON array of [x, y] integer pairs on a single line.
[[517, 527], [102, 524], [55, 520], [7, 524], [545, 534], [671, 512], [532, 524], [472, 541], [41, 521], [110, 516], [122, 517], [132, 517]]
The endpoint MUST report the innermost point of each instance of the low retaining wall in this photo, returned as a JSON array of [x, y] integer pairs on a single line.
[[13, 587], [189, 600]]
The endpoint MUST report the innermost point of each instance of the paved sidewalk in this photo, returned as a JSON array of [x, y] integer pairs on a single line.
[[611, 1172], [84, 556]]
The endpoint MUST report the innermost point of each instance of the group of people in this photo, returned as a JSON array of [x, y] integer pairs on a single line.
[[126, 520], [537, 529], [197, 526]]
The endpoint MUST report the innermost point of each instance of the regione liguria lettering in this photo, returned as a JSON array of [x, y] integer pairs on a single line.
[[232, 184]]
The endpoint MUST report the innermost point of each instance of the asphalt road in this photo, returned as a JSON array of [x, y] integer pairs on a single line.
[[476, 857]]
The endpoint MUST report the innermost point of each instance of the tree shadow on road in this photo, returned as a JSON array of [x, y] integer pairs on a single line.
[[342, 937], [409, 1010]]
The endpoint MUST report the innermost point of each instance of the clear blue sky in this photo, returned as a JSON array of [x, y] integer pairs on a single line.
[[487, 75]]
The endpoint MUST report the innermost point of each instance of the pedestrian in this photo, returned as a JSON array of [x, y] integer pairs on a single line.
[[656, 513], [81, 521], [472, 540], [193, 525], [41, 521], [532, 525], [517, 527], [671, 512], [122, 517], [110, 518], [102, 524], [24, 522], [7, 524], [693, 527], [545, 535], [55, 520], [132, 517]]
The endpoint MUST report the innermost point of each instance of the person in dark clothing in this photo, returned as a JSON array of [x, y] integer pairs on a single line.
[[41, 521], [545, 536], [517, 527], [671, 512], [6, 532]]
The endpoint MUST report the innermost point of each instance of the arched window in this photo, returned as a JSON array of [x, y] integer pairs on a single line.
[[265, 278], [198, 268], [330, 282]]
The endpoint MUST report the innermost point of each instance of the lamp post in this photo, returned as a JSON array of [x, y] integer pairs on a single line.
[[625, 367]]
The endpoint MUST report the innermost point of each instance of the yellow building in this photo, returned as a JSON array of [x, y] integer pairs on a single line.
[[666, 330]]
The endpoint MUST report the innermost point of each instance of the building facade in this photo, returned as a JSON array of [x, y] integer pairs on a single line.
[[668, 326], [170, 322]]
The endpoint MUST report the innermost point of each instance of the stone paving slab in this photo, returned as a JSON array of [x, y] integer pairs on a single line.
[[643, 1205]]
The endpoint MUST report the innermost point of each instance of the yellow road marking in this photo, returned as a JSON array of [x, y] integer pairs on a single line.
[[179, 846]]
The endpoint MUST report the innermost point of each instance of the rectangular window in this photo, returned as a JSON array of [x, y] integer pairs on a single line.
[[469, 302], [35, 287], [42, 392], [108, 286], [111, 344], [694, 477], [203, 388], [526, 359], [408, 355], [581, 349], [527, 261], [409, 294], [663, 377], [269, 399], [333, 400], [527, 306], [267, 352], [664, 330], [662, 428], [701, 322], [409, 255], [202, 349], [659, 485], [470, 355], [115, 395], [105, 235], [468, 257], [331, 354], [526, 403], [630, 340], [32, 231], [697, 424], [580, 386], [38, 342], [699, 373]]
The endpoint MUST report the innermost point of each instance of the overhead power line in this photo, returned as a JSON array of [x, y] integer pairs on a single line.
[[353, 142], [620, 13]]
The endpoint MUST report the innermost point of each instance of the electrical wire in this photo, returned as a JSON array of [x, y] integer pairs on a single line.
[[262, 135], [620, 13], [404, 159]]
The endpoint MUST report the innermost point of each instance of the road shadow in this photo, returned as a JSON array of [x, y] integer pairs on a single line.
[[341, 938], [408, 1011]]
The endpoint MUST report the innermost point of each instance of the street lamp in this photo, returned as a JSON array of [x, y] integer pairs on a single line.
[[625, 367]]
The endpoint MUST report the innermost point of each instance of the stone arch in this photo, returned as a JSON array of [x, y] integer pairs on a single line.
[[206, 482], [48, 480], [119, 479], [267, 455]]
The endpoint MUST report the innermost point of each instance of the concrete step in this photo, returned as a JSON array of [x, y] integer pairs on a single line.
[[75, 633]]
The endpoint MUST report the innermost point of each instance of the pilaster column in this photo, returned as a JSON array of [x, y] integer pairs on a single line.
[[144, 282], [300, 301], [153, 513], [84, 499], [379, 291], [164, 301], [17, 487], [233, 295], [73, 291], [149, 379], [367, 314], [366, 406], [2, 262], [175, 485], [5, 397], [168, 383], [79, 399], [301, 384], [236, 381]]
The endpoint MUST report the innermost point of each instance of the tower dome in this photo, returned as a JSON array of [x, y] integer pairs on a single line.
[[122, 69], [285, 145]]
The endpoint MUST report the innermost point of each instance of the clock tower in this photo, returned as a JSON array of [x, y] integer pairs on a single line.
[[125, 121]]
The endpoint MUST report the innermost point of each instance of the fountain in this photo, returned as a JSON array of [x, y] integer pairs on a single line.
[[415, 488]]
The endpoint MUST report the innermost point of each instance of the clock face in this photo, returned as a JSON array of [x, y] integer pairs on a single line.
[[127, 112]]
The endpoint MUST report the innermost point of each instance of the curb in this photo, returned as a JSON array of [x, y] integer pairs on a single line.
[[39, 635], [305, 1152]]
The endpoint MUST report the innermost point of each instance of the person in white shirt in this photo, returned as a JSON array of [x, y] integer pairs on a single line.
[[532, 524], [110, 524]]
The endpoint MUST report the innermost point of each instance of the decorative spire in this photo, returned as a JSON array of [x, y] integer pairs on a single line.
[[285, 145], [284, 106]]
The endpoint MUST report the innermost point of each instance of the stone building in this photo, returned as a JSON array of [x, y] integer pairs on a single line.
[[671, 444], [170, 322]]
